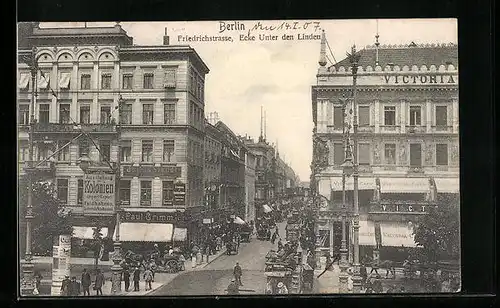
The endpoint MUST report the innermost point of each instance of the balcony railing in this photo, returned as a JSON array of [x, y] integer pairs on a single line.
[[390, 128], [415, 129], [65, 128], [442, 129]]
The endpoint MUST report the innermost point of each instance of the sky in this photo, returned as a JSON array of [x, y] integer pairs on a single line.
[[277, 75]]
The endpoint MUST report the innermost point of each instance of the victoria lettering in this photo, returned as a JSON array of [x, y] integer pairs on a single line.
[[419, 79]]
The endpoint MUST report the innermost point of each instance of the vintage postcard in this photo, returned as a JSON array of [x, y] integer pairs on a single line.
[[238, 157]]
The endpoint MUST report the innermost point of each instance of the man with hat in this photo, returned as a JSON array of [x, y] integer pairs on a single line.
[[65, 286], [74, 287], [233, 287]]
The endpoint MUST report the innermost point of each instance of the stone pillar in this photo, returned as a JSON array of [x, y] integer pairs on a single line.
[[377, 116], [428, 115], [403, 115]]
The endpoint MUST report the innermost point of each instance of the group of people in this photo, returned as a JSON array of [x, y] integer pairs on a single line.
[[72, 287]]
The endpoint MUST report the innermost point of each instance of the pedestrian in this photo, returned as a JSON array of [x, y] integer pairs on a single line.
[[363, 273], [269, 288], [391, 289], [182, 261], [65, 286], [219, 243], [86, 282], [148, 277], [74, 287], [38, 281], [238, 273], [170, 251], [281, 288], [238, 240], [280, 244], [126, 278], [137, 278], [98, 283], [233, 288]]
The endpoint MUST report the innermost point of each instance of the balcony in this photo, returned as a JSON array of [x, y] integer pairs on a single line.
[[414, 129], [443, 129], [394, 129], [70, 128], [366, 129]]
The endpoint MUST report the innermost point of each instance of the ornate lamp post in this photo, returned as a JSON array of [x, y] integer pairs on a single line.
[[27, 281], [354, 60], [346, 171]]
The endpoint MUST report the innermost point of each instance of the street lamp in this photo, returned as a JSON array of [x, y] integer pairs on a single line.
[[354, 60]]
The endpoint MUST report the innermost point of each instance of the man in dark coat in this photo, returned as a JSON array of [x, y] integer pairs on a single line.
[[126, 278], [65, 286], [237, 273], [137, 278], [74, 287], [99, 282], [86, 282], [233, 288]]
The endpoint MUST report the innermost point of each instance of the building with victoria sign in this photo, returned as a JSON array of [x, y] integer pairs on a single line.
[[82, 75], [408, 153]]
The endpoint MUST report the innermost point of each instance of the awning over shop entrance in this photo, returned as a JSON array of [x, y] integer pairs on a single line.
[[145, 232], [447, 185], [366, 233], [394, 234], [397, 235], [180, 234], [404, 185], [87, 233]]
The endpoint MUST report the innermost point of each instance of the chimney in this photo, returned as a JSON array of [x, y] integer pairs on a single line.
[[166, 38]]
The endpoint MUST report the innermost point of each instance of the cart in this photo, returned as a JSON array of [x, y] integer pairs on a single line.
[[262, 234], [231, 248]]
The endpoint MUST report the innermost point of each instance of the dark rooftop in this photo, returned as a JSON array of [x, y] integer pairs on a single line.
[[408, 55]]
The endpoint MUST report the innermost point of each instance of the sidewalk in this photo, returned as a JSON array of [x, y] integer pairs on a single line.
[[160, 278]]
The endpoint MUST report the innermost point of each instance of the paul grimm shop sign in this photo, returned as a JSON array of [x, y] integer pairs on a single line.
[[153, 217]]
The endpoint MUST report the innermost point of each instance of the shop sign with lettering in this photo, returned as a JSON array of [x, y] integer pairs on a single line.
[[98, 194], [153, 217], [400, 208], [179, 193], [168, 171], [420, 79]]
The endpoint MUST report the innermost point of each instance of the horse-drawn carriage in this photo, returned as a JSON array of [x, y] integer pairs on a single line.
[[153, 259], [231, 248], [246, 233]]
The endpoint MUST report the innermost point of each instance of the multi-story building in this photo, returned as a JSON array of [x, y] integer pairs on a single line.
[[83, 74], [232, 188], [250, 178], [407, 106], [212, 170]]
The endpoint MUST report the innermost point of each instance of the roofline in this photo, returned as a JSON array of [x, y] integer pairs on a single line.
[[165, 48]]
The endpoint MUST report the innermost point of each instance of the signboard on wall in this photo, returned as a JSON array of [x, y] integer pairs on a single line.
[[400, 208], [153, 217], [168, 171], [179, 193], [98, 194]]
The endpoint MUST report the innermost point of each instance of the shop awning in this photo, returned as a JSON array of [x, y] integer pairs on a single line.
[[404, 185], [267, 209], [447, 185], [87, 233], [64, 80], [239, 221], [180, 234], [24, 81], [43, 83], [396, 234], [144, 232], [366, 233], [363, 183]]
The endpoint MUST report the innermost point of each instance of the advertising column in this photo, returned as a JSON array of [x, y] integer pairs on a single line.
[[61, 263]]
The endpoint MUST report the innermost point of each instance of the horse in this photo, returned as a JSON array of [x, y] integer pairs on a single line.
[[388, 265]]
